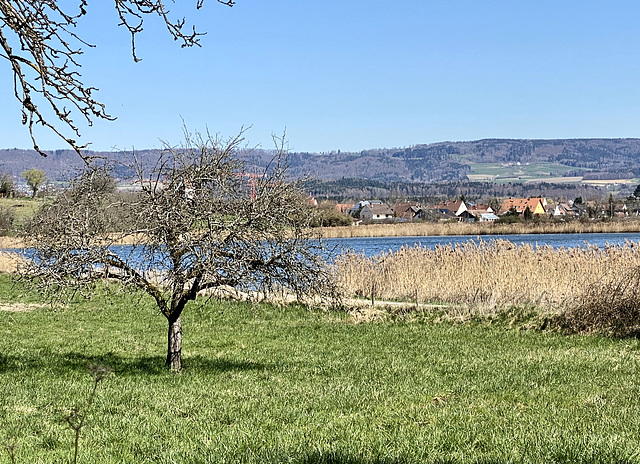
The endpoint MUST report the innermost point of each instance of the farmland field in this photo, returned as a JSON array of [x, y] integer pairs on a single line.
[[500, 171], [535, 172], [269, 384]]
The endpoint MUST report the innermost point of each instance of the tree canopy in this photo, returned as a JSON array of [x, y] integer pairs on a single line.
[[39, 41], [35, 179], [200, 222]]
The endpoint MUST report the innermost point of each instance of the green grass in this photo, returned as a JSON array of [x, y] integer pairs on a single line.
[[265, 384], [23, 208], [518, 173]]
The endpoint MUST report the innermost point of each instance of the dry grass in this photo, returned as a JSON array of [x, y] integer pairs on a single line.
[[487, 275], [610, 306], [11, 242], [423, 229], [19, 307], [9, 262]]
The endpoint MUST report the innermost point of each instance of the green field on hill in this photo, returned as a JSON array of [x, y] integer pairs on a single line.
[[512, 172], [502, 173], [266, 384]]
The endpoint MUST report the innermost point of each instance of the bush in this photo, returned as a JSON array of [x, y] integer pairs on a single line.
[[7, 217], [327, 216], [610, 306], [6, 185]]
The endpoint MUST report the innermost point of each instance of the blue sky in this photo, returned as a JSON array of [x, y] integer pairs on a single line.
[[363, 74]]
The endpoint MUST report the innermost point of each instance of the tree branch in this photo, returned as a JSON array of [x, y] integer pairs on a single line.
[[39, 34]]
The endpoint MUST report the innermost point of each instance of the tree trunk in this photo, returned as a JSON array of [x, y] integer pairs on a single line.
[[174, 345]]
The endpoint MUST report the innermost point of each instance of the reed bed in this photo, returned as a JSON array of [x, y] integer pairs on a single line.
[[422, 229], [488, 274]]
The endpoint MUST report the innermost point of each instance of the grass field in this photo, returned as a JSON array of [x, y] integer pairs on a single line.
[[266, 384], [501, 173], [23, 208]]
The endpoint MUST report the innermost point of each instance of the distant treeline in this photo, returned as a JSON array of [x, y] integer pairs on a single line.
[[437, 163], [356, 189]]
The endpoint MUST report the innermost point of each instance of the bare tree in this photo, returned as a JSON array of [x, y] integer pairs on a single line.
[[199, 223], [38, 39]]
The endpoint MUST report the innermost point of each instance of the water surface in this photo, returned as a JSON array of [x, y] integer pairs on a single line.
[[374, 245]]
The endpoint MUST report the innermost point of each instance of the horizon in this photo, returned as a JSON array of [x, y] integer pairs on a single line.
[[507, 139]]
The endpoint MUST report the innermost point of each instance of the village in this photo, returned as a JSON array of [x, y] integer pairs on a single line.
[[460, 210]]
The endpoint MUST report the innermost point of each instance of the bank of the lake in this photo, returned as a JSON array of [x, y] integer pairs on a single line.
[[423, 229]]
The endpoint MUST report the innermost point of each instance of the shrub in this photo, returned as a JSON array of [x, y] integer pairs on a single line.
[[7, 217], [610, 306], [327, 216], [6, 185]]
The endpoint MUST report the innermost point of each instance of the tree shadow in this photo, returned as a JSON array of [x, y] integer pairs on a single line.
[[63, 363], [339, 458]]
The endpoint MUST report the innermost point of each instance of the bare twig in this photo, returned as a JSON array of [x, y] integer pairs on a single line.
[[38, 39]]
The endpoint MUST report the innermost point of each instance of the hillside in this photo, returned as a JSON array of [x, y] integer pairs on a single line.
[[569, 160], [495, 160]]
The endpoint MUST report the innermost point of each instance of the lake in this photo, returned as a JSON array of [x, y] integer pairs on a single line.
[[371, 246], [374, 245]]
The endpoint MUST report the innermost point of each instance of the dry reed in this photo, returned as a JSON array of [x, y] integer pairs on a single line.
[[9, 262], [489, 274], [610, 306], [423, 229]]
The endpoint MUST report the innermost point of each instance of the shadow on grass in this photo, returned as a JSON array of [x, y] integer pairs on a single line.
[[338, 458], [62, 363]]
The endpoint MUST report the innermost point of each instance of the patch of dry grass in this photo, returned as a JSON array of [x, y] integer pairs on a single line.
[[19, 307], [610, 306], [9, 262], [489, 274], [11, 242]]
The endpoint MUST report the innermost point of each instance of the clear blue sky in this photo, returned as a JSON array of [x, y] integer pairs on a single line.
[[358, 74]]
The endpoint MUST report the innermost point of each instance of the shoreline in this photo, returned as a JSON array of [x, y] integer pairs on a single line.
[[427, 229]]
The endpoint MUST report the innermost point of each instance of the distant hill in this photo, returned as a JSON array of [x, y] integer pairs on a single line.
[[495, 160], [489, 159]]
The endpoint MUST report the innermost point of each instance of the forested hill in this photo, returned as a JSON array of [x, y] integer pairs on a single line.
[[437, 162], [607, 158]]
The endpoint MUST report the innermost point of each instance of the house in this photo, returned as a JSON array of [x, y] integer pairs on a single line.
[[453, 207], [622, 212], [565, 210], [478, 210], [487, 217], [355, 209], [376, 212], [408, 210], [535, 204]]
